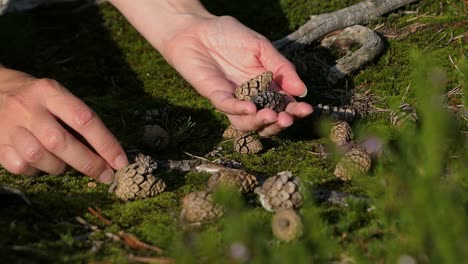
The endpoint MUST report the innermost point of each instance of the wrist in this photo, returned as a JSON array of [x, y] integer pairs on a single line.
[[159, 20]]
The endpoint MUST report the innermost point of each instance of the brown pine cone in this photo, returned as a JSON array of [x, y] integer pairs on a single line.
[[269, 99], [136, 181], [341, 133], [155, 137], [199, 206], [231, 132], [405, 115], [247, 144], [356, 161], [286, 225], [240, 179], [280, 192], [251, 87]]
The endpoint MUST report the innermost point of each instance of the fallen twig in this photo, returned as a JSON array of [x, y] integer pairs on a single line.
[[320, 25], [160, 260], [99, 216], [133, 242]]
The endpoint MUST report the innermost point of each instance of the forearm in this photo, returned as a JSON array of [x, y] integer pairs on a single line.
[[159, 20]]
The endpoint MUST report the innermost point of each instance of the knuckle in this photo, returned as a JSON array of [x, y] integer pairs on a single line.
[[108, 146], [55, 140], [33, 153], [85, 117], [46, 85], [89, 168]]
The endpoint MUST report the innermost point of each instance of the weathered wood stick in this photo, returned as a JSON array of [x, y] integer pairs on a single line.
[[320, 25]]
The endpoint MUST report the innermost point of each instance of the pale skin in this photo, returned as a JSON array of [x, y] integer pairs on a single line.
[[214, 54]]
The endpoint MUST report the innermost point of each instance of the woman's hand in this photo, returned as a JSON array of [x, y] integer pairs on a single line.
[[32, 139], [217, 54]]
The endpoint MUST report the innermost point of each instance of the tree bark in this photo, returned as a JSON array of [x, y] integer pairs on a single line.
[[320, 25]]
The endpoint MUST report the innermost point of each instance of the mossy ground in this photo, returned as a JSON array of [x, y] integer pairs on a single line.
[[100, 57]]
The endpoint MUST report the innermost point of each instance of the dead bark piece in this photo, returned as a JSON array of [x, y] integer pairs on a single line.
[[370, 44], [320, 25], [133, 242]]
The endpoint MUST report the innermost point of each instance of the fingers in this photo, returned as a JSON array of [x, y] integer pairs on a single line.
[[14, 163], [284, 71], [59, 142], [253, 122], [32, 151], [227, 103], [82, 119]]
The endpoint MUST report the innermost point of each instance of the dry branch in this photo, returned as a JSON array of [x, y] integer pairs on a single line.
[[320, 25]]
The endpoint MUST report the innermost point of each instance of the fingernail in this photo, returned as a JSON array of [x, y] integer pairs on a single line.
[[107, 176], [304, 93], [121, 161]]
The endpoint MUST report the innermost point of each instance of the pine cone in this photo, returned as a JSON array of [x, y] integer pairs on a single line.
[[354, 162], [269, 99], [136, 180], [155, 137], [251, 87], [240, 179], [405, 115], [286, 225], [199, 206], [340, 133], [231, 132], [280, 192], [247, 144]]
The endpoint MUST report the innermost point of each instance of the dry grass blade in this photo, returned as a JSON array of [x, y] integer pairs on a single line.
[[99, 216], [133, 242], [160, 260]]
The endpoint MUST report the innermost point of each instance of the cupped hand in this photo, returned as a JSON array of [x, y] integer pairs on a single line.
[[32, 138], [216, 54]]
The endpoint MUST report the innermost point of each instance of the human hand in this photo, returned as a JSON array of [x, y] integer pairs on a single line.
[[216, 54], [32, 139]]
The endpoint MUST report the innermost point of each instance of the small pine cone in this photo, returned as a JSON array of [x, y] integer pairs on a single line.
[[251, 87], [231, 132], [146, 162], [135, 181], [341, 133], [247, 144], [199, 206], [269, 99], [240, 179], [280, 192], [286, 225], [405, 115], [356, 161], [155, 137]]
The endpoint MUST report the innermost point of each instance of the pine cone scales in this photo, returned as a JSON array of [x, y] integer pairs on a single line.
[[246, 144], [199, 206], [136, 181], [269, 99], [231, 132], [251, 87], [340, 133], [355, 162], [240, 179], [280, 192]]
